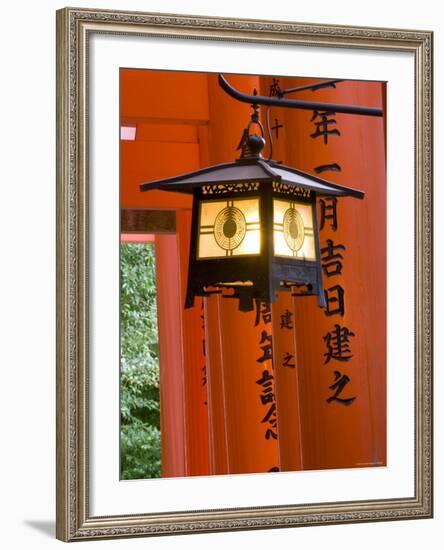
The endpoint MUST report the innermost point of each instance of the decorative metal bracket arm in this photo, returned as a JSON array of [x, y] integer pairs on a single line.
[[297, 103]]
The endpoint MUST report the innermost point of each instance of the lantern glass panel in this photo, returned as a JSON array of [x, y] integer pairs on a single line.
[[228, 228], [293, 229]]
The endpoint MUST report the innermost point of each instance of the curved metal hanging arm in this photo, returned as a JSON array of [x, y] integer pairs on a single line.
[[312, 87], [297, 103]]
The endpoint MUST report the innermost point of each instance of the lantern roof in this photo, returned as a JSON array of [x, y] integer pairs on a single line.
[[250, 169]]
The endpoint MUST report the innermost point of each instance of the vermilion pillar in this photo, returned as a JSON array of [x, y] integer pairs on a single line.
[[172, 395], [286, 371], [283, 316], [341, 433], [235, 357], [217, 406], [194, 362]]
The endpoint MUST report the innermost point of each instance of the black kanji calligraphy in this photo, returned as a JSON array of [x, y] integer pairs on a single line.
[[334, 167], [267, 378], [275, 89], [267, 347], [270, 417], [276, 127], [338, 344], [267, 396], [287, 319], [334, 297], [204, 368], [288, 360], [270, 433], [331, 260], [341, 380], [263, 310], [323, 123], [328, 212]]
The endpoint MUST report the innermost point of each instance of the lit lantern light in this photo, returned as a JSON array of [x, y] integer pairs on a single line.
[[254, 228]]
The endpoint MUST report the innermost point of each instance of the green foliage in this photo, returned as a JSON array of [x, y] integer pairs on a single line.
[[139, 375], [140, 450]]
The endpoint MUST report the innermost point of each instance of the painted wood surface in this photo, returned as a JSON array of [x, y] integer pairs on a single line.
[[212, 402]]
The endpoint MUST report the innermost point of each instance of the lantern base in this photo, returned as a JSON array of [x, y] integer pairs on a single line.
[[300, 280]]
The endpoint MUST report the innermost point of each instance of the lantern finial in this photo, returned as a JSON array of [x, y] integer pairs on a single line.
[[251, 145]]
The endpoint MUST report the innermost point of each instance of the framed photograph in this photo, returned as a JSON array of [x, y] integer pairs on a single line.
[[244, 274]]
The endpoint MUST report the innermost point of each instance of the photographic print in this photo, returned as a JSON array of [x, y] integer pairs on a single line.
[[253, 274], [243, 274]]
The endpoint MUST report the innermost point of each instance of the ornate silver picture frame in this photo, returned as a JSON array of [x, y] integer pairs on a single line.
[[75, 519]]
